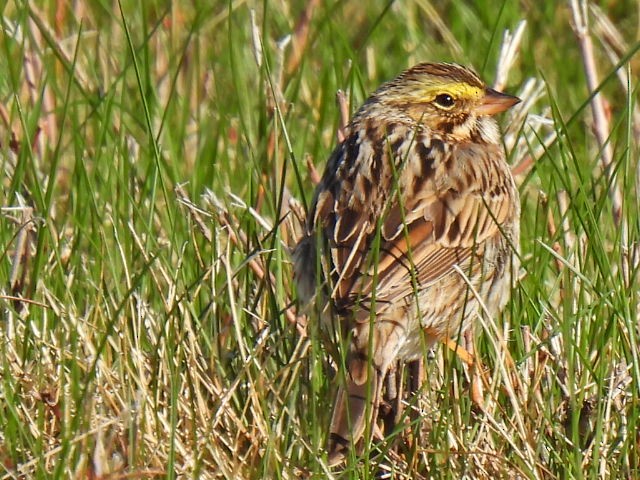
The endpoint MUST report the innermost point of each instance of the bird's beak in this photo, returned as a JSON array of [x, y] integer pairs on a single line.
[[496, 102]]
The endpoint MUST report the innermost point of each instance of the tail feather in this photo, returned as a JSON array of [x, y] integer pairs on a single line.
[[356, 407], [372, 351]]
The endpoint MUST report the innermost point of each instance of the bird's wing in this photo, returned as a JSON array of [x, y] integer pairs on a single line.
[[395, 226]]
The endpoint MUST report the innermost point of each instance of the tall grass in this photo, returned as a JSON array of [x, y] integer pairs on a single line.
[[149, 153]]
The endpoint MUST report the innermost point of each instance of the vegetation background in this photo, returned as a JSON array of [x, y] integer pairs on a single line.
[[149, 151]]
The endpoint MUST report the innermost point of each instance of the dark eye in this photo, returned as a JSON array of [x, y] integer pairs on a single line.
[[445, 100]]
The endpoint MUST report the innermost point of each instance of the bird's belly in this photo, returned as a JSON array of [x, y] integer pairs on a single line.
[[447, 308]]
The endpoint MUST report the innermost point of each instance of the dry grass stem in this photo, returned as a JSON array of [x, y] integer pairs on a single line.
[[600, 118], [301, 36], [343, 108], [508, 55]]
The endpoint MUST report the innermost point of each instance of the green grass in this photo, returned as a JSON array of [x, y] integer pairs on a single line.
[[149, 341]]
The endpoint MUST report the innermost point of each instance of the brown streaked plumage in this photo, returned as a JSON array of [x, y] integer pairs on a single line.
[[415, 206]]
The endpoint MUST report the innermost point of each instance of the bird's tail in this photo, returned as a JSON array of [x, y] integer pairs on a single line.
[[356, 406]]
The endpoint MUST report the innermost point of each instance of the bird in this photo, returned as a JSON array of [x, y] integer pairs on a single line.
[[413, 231]]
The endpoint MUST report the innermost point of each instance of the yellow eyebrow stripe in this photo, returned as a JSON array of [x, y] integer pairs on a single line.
[[456, 90]]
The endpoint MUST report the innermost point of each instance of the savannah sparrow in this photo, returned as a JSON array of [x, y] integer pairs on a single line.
[[413, 226]]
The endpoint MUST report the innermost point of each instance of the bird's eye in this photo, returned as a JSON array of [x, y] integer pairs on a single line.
[[445, 100]]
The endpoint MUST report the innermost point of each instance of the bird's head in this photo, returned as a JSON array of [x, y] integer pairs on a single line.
[[448, 98]]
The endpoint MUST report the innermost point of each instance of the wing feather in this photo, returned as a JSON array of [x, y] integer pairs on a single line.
[[427, 226]]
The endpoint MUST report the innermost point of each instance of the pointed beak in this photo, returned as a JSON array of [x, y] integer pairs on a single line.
[[495, 102]]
